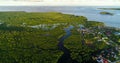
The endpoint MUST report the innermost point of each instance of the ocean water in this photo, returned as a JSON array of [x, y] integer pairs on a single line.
[[91, 12]]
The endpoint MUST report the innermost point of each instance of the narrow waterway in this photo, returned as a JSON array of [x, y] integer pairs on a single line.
[[65, 58]]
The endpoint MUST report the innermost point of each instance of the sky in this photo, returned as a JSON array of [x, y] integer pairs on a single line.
[[59, 2]]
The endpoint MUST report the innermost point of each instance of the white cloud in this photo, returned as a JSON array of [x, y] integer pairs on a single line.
[[60, 2]]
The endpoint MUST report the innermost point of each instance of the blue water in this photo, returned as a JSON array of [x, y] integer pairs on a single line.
[[91, 12]]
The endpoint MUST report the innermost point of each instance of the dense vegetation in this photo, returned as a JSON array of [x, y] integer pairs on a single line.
[[33, 37], [27, 45], [23, 44], [20, 18]]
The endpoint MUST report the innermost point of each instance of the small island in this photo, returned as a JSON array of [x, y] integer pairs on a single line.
[[106, 13]]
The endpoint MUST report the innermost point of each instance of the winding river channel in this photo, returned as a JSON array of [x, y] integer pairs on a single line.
[[65, 58]]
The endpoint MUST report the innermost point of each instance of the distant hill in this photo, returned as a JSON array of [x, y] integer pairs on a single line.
[[110, 8]]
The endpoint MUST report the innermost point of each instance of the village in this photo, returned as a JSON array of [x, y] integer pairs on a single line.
[[108, 36]]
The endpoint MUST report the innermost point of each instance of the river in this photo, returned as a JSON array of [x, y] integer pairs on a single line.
[[66, 57], [91, 12]]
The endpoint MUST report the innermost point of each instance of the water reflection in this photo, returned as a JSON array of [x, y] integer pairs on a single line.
[[47, 26]]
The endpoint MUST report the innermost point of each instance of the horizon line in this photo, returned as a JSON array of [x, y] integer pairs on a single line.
[[59, 3]]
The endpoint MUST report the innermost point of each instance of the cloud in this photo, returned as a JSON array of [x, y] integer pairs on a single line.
[[60, 2]]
